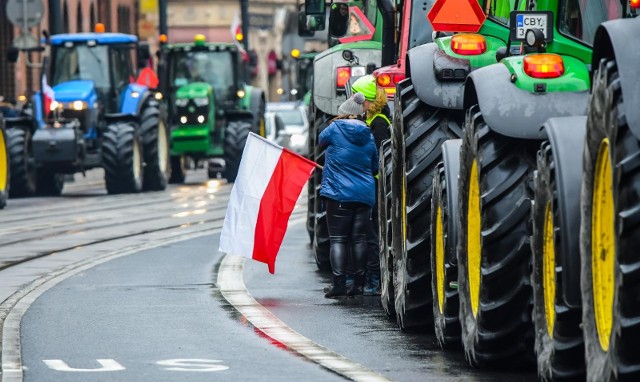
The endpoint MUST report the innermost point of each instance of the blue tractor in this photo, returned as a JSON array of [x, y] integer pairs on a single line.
[[100, 118]]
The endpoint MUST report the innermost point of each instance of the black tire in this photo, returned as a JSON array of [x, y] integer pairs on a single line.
[[419, 131], [122, 159], [23, 170], [178, 169], [497, 328], [617, 266], [155, 144], [444, 269], [321, 243], [559, 345], [387, 294], [235, 137], [311, 184], [5, 171], [49, 183]]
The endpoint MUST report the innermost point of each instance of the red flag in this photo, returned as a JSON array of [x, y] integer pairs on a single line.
[[265, 192], [48, 96]]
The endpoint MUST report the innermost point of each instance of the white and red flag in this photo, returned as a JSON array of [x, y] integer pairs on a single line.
[[265, 192], [48, 96]]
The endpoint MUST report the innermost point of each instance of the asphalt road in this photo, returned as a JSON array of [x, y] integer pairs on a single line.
[[158, 314]]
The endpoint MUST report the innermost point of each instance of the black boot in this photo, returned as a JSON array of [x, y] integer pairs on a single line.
[[339, 288], [358, 286]]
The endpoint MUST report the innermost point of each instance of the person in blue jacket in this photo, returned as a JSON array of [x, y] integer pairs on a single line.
[[351, 161]]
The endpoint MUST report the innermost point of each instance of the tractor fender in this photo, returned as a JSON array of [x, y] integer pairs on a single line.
[[451, 160], [134, 97], [427, 87], [513, 112], [566, 136], [612, 40], [237, 115]]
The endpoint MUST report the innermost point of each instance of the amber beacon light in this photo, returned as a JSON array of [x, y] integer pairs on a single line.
[[544, 65], [468, 44]]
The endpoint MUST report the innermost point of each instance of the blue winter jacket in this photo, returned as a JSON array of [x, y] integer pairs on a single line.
[[351, 161]]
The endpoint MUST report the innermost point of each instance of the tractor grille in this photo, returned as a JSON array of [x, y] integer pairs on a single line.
[[84, 116], [192, 112]]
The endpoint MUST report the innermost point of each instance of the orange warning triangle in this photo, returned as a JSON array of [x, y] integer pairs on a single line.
[[456, 16]]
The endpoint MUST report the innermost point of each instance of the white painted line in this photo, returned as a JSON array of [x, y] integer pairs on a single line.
[[232, 287], [19, 302]]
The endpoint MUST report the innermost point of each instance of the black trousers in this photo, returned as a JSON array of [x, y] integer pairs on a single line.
[[348, 225]]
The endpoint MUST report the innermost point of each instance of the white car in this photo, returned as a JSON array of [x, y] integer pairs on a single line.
[[291, 126]]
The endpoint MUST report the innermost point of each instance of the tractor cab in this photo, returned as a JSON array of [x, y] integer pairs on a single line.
[[93, 74]]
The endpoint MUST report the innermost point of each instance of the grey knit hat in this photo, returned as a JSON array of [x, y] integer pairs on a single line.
[[352, 106]]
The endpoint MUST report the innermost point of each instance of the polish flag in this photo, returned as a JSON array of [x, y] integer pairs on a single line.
[[265, 192], [48, 96]]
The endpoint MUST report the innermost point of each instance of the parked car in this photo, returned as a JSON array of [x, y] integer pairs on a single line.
[[294, 131]]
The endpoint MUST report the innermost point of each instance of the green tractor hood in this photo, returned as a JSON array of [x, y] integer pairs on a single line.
[[194, 90]]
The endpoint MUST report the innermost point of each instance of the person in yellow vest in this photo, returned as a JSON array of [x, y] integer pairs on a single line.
[[378, 118]]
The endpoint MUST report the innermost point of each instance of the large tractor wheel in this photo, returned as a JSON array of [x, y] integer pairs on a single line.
[[23, 170], [559, 345], [122, 159], [311, 195], [49, 183], [387, 294], [610, 234], [419, 131], [321, 244], [494, 257], [444, 268], [155, 145], [235, 137], [4, 166], [178, 169]]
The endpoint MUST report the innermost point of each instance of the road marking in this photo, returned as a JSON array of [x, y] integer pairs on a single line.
[[192, 365], [107, 365], [19, 302], [231, 285]]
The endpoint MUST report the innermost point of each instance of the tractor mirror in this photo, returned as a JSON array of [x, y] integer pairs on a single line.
[[12, 55], [303, 30], [144, 54], [314, 7], [338, 19]]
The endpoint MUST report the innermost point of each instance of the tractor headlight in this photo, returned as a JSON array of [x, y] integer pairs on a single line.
[[54, 105], [297, 139], [201, 101], [182, 102], [240, 93], [183, 119], [79, 105], [201, 119]]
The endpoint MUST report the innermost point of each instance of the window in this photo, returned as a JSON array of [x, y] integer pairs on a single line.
[[580, 19], [81, 63], [79, 24]]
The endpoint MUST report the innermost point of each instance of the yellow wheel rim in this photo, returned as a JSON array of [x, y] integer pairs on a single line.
[[603, 246], [4, 165], [549, 270], [474, 238], [440, 260]]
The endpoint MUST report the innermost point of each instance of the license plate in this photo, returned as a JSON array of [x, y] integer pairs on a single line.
[[522, 21]]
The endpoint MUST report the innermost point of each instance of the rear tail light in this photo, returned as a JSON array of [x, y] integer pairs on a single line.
[[635, 4], [343, 73], [544, 65], [468, 44], [388, 82]]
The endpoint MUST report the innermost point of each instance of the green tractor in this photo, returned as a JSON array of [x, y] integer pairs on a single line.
[[585, 235], [427, 83], [355, 30], [304, 74], [500, 192], [212, 110]]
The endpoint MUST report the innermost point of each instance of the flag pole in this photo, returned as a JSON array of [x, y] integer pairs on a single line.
[[287, 150]]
